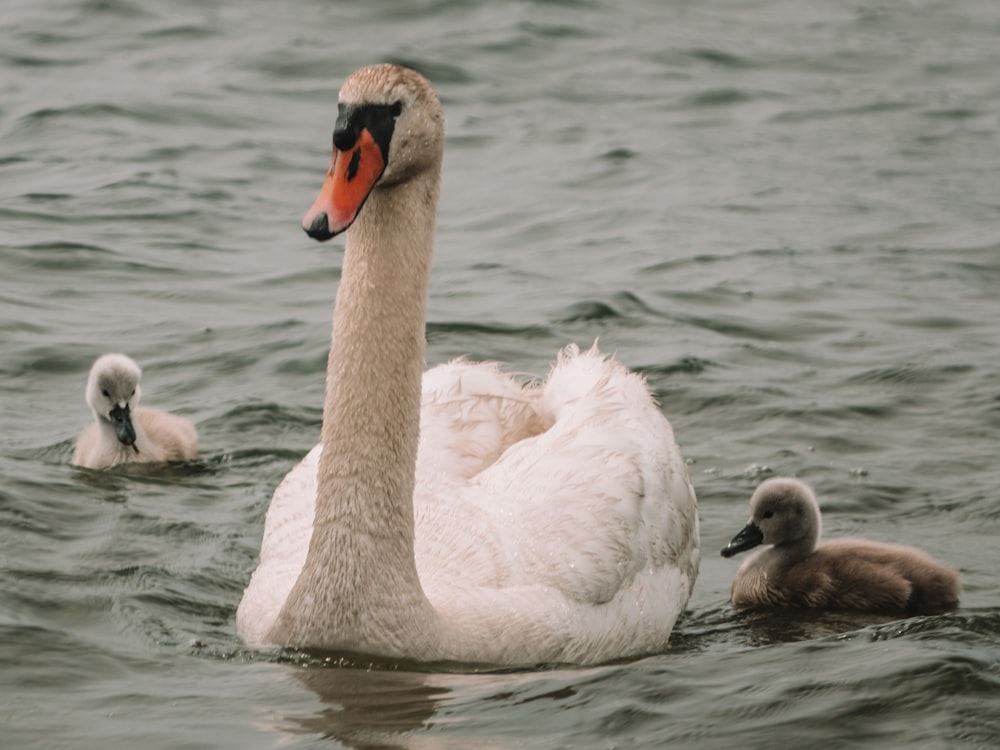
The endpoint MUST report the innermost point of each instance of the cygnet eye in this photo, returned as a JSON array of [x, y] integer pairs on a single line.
[[768, 514], [104, 391], [132, 393]]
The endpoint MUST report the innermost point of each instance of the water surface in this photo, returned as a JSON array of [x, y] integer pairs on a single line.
[[785, 214]]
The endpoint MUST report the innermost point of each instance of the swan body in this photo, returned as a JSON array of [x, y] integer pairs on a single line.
[[844, 574], [122, 431], [461, 515]]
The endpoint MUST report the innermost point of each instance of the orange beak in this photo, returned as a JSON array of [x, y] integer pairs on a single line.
[[350, 179]]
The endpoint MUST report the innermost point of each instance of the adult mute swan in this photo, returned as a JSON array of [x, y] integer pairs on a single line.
[[122, 431], [533, 523], [844, 574]]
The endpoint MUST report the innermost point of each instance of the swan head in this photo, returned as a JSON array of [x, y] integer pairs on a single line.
[[389, 129], [783, 513], [113, 392]]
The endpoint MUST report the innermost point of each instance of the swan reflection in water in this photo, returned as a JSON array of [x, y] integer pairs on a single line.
[[380, 705], [369, 707]]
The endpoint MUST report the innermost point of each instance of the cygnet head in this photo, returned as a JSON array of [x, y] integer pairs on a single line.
[[113, 393], [783, 513]]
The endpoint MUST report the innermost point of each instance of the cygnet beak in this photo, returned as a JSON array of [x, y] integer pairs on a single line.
[[121, 419], [748, 538]]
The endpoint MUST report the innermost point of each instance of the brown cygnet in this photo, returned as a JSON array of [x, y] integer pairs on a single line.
[[845, 574], [122, 431]]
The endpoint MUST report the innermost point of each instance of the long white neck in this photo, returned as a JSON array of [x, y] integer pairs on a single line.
[[372, 409], [359, 588]]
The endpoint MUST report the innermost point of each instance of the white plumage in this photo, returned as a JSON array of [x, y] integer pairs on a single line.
[[549, 522]]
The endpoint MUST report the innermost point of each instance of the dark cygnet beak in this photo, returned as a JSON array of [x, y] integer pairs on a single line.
[[748, 538], [121, 418]]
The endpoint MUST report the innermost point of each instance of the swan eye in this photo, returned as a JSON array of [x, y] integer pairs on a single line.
[[397, 109], [104, 392], [768, 514], [132, 393]]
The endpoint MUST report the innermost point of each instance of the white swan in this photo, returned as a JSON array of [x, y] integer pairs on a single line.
[[843, 574], [535, 523], [122, 431]]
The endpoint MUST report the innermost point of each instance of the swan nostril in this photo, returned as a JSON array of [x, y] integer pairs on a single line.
[[320, 228]]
